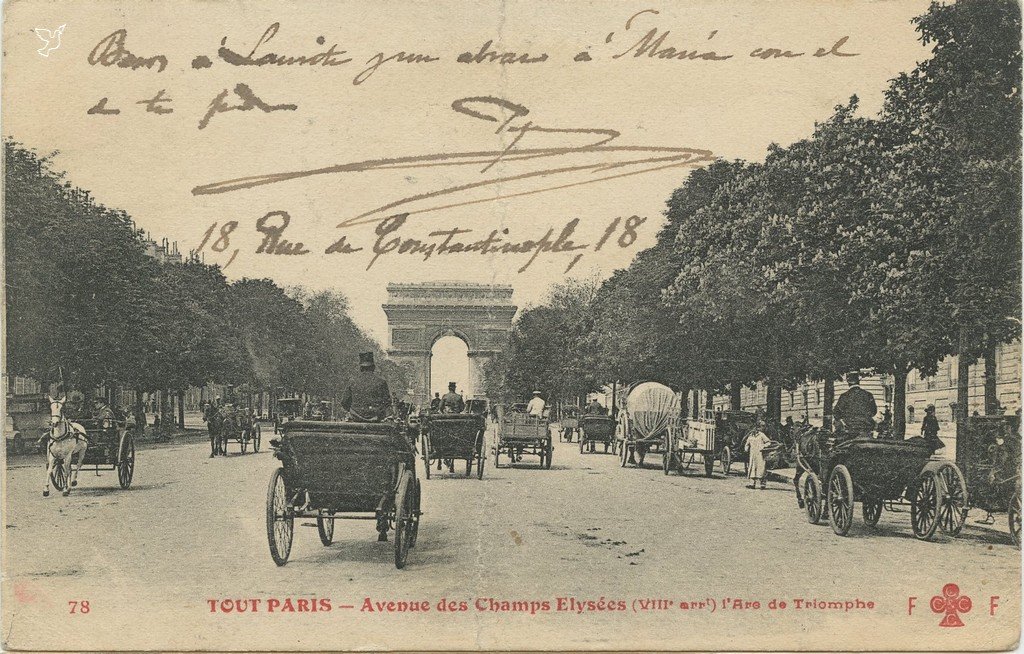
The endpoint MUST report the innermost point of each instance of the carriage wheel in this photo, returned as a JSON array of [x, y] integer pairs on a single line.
[[666, 460], [280, 522], [256, 439], [403, 522], [812, 498], [924, 505], [840, 500], [426, 454], [726, 460], [709, 465], [415, 515], [952, 499], [126, 463], [1013, 515], [243, 440], [325, 527], [480, 459], [57, 478], [623, 454], [871, 509]]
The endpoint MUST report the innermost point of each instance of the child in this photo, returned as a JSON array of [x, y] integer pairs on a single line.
[[756, 443]]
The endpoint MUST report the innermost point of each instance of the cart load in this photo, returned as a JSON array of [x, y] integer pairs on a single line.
[[521, 433], [343, 470], [649, 420]]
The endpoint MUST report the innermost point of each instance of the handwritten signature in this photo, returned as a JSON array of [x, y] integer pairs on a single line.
[[621, 161]]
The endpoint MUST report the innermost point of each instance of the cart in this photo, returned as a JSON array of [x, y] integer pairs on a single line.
[[110, 448], [731, 431], [880, 473], [239, 426], [343, 471], [698, 438], [568, 423], [288, 408], [649, 422], [520, 433], [597, 429], [988, 451], [447, 437]]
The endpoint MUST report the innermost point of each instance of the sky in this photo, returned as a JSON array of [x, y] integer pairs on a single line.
[[150, 164]]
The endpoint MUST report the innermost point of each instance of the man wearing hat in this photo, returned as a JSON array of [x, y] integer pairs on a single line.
[[855, 410], [535, 407], [452, 401], [930, 427], [368, 397]]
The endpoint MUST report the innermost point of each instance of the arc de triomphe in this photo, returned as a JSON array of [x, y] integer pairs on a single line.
[[419, 314]]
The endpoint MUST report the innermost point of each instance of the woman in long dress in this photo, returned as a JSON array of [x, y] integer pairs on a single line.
[[756, 443]]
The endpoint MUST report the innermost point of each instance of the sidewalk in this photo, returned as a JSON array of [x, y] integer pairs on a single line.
[[974, 518]]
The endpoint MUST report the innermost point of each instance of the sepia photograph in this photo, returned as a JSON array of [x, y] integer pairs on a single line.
[[465, 325]]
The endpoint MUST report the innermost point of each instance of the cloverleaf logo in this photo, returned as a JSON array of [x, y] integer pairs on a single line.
[[952, 603]]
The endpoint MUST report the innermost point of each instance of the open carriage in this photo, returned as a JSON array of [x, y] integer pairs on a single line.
[[597, 429], [520, 433], [110, 447], [239, 426], [568, 422], [288, 408], [988, 451], [453, 436], [648, 423], [343, 471], [879, 473]]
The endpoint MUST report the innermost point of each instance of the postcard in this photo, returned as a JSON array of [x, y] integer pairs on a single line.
[[520, 325]]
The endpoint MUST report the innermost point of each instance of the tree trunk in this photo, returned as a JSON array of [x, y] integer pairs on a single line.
[[181, 409], [991, 401], [899, 403], [735, 399], [684, 408], [709, 401], [773, 404], [828, 399], [963, 394]]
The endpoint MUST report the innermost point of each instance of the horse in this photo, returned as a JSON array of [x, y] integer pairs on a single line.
[[66, 439]]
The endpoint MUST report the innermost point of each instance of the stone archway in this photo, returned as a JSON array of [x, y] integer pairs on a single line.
[[420, 314]]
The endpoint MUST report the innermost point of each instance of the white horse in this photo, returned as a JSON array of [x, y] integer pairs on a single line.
[[65, 440]]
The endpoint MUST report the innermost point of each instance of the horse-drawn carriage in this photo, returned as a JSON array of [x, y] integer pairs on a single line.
[[989, 454], [231, 424], [568, 422], [107, 446], [648, 423], [732, 429], [445, 438], [835, 473], [596, 428], [288, 408], [700, 437], [520, 433], [343, 470]]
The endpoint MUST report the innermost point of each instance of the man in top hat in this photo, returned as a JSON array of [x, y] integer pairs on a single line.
[[855, 410], [368, 397], [452, 401], [535, 407]]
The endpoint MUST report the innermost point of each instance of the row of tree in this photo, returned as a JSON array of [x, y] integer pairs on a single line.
[[85, 302], [884, 242]]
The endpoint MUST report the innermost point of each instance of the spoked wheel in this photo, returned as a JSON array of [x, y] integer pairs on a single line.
[[952, 499], [666, 455], [1013, 514], [426, 455], [924, 505], [126, 463], [415, 515], [840, 500], [57, 477], [623, 454], [813, 503], [480, 465], [256, 439], [403, 521], [280, 522], [243, 441], [871, 509], [325, 527], [726, 460]]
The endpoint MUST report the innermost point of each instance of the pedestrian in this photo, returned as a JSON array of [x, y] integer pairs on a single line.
[[930, 428], [756, 443]]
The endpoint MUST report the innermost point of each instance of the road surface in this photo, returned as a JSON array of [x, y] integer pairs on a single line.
[[192, 529]]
